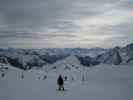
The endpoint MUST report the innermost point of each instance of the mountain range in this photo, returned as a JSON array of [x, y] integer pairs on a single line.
[[37, 58]]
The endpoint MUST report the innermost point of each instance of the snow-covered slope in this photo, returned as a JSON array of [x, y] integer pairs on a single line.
[[104, 82], [69, 67]]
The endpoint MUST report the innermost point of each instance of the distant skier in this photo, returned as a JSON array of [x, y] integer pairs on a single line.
[[60, 82], [3, 75], [65, 78], [45, 77], [22, 75]]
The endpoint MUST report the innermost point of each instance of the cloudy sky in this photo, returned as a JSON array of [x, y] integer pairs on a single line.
[[65, 23]]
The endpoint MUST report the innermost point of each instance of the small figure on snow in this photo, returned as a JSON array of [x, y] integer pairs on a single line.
[[3, 75], [22, 75], [65, 78], [60, 82], [45, 77]]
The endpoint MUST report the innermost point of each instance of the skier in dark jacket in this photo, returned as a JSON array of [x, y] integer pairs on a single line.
[[60, 82]]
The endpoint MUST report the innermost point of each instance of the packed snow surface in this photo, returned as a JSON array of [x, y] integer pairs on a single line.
[[103, 82]]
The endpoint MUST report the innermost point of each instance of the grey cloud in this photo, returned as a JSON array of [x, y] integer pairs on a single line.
[[39, 13], [54, 20], [126, 4], [13, 34]]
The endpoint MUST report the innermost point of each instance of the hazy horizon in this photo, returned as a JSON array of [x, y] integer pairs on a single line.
[[65, 23]]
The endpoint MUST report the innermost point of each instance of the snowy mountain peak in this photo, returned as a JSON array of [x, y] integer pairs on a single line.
[[71, 62], [72, 59]]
